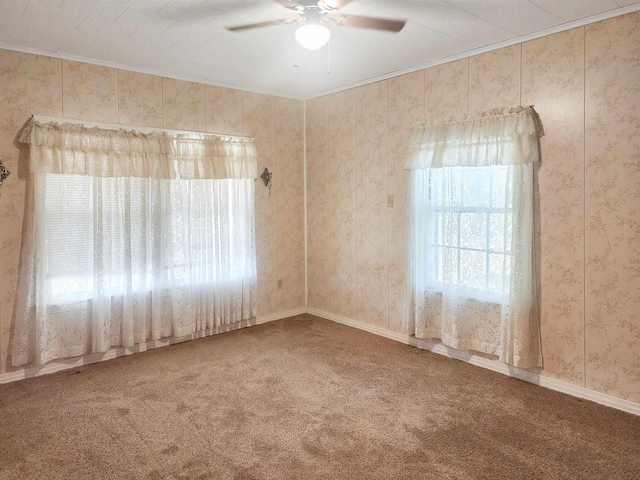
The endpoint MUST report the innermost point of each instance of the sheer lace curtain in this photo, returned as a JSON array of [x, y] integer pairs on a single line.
[[472, 278], [131, 237]]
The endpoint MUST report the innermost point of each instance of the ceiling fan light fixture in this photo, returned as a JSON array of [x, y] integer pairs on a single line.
[[312, 36]]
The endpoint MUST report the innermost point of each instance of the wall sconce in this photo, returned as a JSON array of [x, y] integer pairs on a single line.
[[4, 173], [266, 179]]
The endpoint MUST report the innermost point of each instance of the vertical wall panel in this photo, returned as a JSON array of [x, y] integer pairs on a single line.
[[89, 92], [223, 110], [446, 90], [371, 214], [140, 99], [259, 123], [290, 202], [183, 105], [553, 81], [613, 206], [406, 106], [342, 229], [494, 79], [318, 204]]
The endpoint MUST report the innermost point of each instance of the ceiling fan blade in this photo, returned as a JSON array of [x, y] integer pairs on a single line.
[[288, 3], [335, 4], [249, 26], [372, 23]]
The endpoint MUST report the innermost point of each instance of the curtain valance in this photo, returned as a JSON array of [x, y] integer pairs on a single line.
[[78, 150], [503, 136], [215, 157]]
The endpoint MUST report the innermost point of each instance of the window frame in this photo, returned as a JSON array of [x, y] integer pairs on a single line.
[[435, 210]]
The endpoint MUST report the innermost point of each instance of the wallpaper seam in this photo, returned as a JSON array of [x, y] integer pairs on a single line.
[[520, 84], [118, 94], [468, 86], [277, 219], [304, 191], [386, 134], [356, 209], [61, 88], [584, 207], [330, 301]]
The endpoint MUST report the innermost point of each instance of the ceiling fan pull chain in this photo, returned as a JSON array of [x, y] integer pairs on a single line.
[[329, 57]]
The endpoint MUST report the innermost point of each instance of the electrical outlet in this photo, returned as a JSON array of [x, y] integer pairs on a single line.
[[390, 201], [280, 284]]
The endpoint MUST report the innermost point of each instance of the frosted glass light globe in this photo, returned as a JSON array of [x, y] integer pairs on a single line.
[[312, 37]]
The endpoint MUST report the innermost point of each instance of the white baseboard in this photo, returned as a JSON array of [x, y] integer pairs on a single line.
[[496, 366], [280, 315], [59, 365]]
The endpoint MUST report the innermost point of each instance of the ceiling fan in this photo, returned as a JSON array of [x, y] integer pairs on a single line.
[[315, 14]]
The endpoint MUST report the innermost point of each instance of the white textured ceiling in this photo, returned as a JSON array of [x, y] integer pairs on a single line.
[[187, 39]]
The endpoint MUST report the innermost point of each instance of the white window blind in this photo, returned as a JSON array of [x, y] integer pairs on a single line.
[[69, 224]]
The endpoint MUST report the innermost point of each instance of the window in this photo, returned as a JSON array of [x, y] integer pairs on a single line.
[[471, 229], [131, 237], [119, 220], [472, 266]]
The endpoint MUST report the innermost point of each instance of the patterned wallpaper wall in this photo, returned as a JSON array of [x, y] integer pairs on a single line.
[[584, 84], [32, 84]]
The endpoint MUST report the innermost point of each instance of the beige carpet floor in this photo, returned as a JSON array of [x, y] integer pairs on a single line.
[[304, 398]]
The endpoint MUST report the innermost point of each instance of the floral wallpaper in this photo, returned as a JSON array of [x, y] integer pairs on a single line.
[[612, 210], [553, 81], [318, 204], [29, 83], [89, 92], [33, 84], [139, 99], [584, 84], [223, 107], [446, 90], [259, 122], [371, 203], [406, 106], [290, 203], [342, 135], [183, 105], [494, 79]]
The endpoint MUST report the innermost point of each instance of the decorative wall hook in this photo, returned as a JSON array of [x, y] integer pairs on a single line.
[[4, 173], [266, 179]]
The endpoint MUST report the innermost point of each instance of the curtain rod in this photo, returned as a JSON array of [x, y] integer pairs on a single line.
[[469, 118], [118, 126]]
